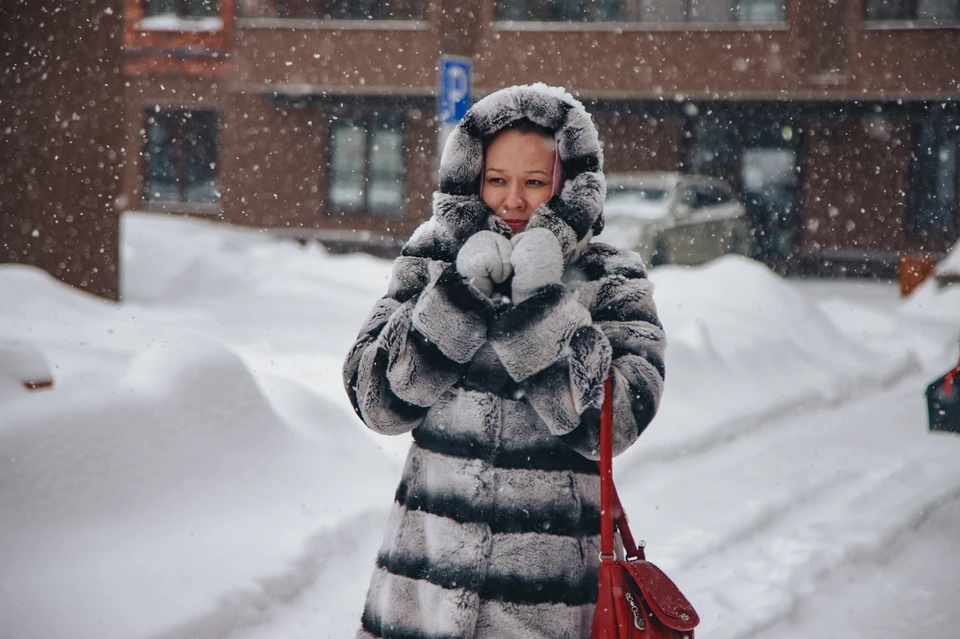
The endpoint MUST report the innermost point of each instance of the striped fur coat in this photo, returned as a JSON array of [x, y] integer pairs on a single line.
[[495, 527]]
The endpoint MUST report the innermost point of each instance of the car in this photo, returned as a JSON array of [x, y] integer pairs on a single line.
[[674, 218]]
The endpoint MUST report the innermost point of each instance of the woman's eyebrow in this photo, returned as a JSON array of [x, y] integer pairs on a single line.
[[491, 169]]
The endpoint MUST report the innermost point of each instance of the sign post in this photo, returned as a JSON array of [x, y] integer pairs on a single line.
[[454, 94]]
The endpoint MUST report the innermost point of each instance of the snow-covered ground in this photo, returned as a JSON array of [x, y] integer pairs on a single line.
[[196, 470]]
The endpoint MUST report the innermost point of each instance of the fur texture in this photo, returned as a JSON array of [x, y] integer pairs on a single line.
[[495, 526]]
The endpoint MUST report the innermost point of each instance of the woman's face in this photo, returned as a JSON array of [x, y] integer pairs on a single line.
[[518, 175]]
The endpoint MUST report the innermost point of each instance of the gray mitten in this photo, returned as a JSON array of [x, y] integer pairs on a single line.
[[484, 260], [537, 262]]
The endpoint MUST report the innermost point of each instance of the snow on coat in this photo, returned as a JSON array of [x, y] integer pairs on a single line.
[[495, 527]]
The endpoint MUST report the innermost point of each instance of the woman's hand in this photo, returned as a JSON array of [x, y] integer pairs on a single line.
[[537, 261], [484, 260]]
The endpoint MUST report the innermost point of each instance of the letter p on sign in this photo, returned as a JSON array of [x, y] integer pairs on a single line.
[[454, 95]]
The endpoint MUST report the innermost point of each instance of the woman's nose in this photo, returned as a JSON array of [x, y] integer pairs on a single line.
[[514, 199]]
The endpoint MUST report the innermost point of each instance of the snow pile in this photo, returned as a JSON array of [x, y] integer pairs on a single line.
[[164, 480], [742, 346], [21, 364], [936, 301], [198, 471], [950, 265]]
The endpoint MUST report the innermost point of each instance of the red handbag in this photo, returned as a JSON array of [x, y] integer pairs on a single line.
[[636, 600]]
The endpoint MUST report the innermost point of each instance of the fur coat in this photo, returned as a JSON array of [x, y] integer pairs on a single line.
[[495, 527]]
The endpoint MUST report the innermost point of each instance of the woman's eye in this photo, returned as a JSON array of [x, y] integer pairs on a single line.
[[495, 180], [536, 182]]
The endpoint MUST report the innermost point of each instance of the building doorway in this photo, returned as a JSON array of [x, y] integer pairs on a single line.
[[768, 176], [769, 173], [757, 152]]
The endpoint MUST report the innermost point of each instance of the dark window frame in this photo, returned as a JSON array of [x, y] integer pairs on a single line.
[[183, 9], [920, 178], [343, 10], [624, 11], [906, 13], [181, 152], [368, 120]]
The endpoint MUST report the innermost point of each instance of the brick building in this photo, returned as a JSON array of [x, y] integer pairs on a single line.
[[61, 142], [837, 119]]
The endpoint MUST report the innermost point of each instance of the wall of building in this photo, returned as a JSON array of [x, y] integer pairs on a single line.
[[354, 60], [640, 142], [273, 162], [60, 151], [856, 188]]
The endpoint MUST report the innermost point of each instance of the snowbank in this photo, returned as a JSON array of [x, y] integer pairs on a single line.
[[162, 477], [198, 471], [744, 345]]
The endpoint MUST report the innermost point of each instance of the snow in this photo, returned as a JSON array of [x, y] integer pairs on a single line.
[[627, 205], [21, 363], [173, 22], [197, 470], [950, 265]]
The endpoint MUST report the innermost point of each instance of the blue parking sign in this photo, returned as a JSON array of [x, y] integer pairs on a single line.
[[454, 97]]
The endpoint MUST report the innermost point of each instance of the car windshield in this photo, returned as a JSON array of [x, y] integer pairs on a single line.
[[643, 202], [646, 193]]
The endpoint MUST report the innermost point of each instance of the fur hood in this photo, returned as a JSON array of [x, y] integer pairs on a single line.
[[574, 214]]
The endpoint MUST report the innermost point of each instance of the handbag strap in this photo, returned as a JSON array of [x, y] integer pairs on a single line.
[[610, 508]]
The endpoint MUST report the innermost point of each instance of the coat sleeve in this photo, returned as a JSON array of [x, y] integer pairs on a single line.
[[414, 345], [561, 343]]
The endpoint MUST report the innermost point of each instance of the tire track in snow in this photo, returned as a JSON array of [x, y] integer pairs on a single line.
[[783, 563], [866, 471], [763, 519], [248, 609], [731, 430], [855, 557], [917, 571]]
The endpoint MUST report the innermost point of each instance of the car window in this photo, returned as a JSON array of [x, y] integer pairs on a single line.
[[644, 193], [712, 195], [688, 196]]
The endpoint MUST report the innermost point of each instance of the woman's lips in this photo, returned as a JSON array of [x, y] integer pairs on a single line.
[[516, 225]]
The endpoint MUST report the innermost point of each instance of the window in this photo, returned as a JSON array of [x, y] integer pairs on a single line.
[[643, 10], [687, 196], [182, 8], [712, 150], [712, 195], [181, 156], [935, 177], [335, 9], [927, 11], [366, 165]]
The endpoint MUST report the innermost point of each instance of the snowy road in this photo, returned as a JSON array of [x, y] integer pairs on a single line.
[[910, 590], [197, 471], [827, 521], [825, 491], [751, 528]]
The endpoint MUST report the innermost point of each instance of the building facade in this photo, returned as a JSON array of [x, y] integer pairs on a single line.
[[61, 142], [837, 120]]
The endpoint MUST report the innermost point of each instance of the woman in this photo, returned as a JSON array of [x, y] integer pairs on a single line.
[[500, 324]]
